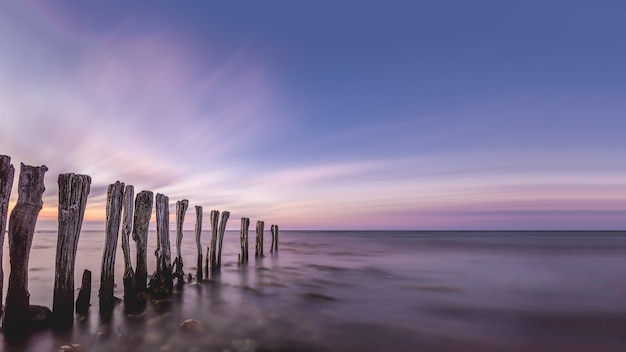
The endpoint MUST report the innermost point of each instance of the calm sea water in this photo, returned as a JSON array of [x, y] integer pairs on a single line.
[[366, 291]]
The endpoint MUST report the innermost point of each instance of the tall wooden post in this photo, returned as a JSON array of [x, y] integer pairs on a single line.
[[162, 283], [115, 194], [222, 229], [18, 317], [243, 240], [273, 237], [73, 191], [214, 218], [181, 209], [7, 172], [276, 240], [259, 239], [141, 221], [198, 244], [128, 205]]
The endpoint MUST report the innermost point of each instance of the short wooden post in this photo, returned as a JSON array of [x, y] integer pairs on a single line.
[[214, 218], [84, 295], [259, 239], [7, 172], [17, 316], [181, 209], [73, 191], [222, 229], [162, 283], [198, 244], [141, 221], [115, 195], [243, 240], [128, 205]]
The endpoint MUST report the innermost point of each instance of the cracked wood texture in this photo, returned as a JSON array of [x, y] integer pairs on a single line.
[[17, 315], [7, 172], [181, 209], [115, 195], [161, 283], [128, 205], [198, 244], [141, 222], [222, 229], [73, 192], [259, 239], [243, 240], [214, 218]]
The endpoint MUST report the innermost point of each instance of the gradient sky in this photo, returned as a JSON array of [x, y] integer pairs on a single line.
[[327, 114]]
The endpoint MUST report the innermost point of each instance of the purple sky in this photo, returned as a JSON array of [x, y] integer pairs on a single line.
[[327, 115]]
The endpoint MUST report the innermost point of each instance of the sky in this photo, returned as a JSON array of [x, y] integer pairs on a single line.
[[416, 115]]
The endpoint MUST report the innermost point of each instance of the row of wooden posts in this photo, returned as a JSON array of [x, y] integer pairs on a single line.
[[122, 208]]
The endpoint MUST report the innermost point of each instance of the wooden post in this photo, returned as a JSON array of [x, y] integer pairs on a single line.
[[130, 293], [198, 244], [273, 238], [73, 191], [214, 218], [6, 183], [141, 221], [259, 239], [206, 262], [115, 194], [18, 316], [222, 229], [276, 241], [181, 209], [84, 295], [162, 283], [243, 240]]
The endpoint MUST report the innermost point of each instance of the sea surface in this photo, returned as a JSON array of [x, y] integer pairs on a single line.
[[363, 291]]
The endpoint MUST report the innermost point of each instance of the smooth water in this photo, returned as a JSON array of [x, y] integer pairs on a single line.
[[366, 291]]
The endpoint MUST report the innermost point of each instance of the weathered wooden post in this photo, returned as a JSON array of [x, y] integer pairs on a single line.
[[273, 238], [243, 240], [19, 316], [73, 191], [276, 241], [84, 295], [259, 239], [181, 209], [7, 172], [141, 221], [198, 244], [214, 218], [162, 283], [206, 262], [222, 229], [115, 194], [130, 293]]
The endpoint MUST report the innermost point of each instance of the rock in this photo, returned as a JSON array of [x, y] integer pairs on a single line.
[[193, 326], [74, 347]]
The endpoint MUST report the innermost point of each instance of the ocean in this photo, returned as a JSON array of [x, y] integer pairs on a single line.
[[363, 291]]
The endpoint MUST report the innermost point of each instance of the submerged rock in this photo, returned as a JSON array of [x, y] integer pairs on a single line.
[[193, 326]]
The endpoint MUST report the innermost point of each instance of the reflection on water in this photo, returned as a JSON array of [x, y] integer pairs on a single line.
[[367, 291]]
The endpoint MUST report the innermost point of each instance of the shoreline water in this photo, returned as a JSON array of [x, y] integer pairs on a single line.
[[378, 290]]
